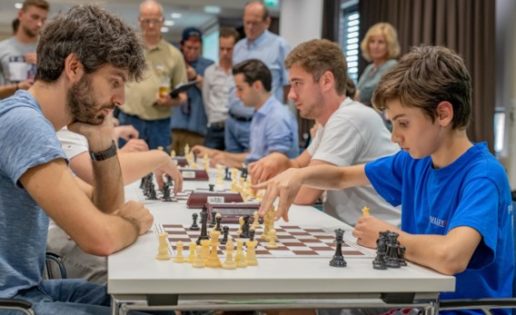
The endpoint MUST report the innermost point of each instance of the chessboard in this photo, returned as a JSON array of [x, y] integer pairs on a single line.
[[293, 241]]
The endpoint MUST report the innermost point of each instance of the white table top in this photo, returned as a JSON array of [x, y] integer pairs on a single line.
[[136, 271]]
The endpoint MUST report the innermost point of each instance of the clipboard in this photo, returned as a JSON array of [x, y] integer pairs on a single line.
[[183, 87]]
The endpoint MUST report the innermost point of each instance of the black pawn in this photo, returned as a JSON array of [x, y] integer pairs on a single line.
[[338, 258], [213, 218], [244, 173], [225, 234], [245, 228], [227, 176], [166, 192], [151, 192], [401, 255], [194, 226], [204, 227], [218, 220], [211, 187]]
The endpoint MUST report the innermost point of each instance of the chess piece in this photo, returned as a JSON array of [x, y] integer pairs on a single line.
[[240, 225], [251, 253], [227, 176], [163, 247], [379, 260], [205, 251], [240, 258], [338, 258], [365, 211], [211, 187], [218, 220], [179, 253], [245, 228], [256, 221], [172, 153], [272, 239], [225, 235], [391, 254], [229, 262], [192, 252], [198, 261], [204, 227], [213, 259], [187, 149], [166, 192], [401, 255], [213, 219], [194, 226], [244, 172]]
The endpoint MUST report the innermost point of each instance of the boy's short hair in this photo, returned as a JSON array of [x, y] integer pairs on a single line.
[[42, 4], [229, 32], [318, 56], [254, 70], [391, 39], [423, 78], [95, 36]]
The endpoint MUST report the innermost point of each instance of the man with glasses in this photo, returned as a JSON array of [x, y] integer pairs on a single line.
[[270, 49], [145, 107], [18, 53]]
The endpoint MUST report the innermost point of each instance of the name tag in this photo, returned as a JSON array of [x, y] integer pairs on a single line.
[[18, 70], [215, 199], [188, 174]]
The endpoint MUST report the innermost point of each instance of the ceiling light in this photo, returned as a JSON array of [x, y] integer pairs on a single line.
[[165, 29], [176, 15], [169, 23], [212, 9], [18, 5]]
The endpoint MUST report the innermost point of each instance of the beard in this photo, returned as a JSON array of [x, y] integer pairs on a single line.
[[29, 32], [81, 104]]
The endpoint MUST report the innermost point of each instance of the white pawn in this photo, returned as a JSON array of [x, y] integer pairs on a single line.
[[163, 247], [229, 262], [179, 253], [272, 239]]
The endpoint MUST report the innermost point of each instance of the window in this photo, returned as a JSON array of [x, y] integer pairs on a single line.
[[349, 41]]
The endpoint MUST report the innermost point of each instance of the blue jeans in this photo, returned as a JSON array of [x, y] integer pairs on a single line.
[[66, 296], [215, 138], [155, 132], [237, 135]]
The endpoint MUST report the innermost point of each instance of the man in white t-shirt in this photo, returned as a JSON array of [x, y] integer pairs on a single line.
[[349, 133]]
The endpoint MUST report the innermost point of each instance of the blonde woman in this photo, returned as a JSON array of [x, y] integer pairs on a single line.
[[380, 47]]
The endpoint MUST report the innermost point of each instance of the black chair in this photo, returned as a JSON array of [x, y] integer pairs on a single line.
[[16, 305]]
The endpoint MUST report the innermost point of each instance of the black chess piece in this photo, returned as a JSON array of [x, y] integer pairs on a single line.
[[166, 192], [225, 234], [401, 255], [151, 191], [204, 226], [227, 176], [379, 260], [252, 233], [391, 254], [211, 187], [245, 228], [213, 219], [338, 258], [169, 180], [218, 220], [244, 172], [194, 226]]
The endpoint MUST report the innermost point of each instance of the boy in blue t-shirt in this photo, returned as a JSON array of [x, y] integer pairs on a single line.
[[455, 196]]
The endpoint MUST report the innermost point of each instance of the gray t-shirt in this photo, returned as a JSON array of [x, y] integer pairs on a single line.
[[27, 139], [354, 134], [15, 70]]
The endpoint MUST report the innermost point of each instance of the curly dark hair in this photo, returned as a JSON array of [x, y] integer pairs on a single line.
[[95, 36]]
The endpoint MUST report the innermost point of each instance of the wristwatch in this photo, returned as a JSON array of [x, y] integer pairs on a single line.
[[104, 155]]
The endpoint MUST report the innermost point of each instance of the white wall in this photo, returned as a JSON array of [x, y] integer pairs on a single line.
[[300, 20]]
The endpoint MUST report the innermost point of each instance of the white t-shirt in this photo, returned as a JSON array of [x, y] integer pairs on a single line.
[[72, 143], [354, 134]]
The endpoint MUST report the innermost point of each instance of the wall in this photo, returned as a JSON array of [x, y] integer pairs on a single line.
[[300, 20]]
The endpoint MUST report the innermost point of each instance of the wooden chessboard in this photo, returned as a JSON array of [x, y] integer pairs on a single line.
[[293, 241]]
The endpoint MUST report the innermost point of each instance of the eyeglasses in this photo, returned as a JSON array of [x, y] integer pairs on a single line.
[[151, 21]]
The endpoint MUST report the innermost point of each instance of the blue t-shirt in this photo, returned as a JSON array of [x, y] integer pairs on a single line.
[[473, 191], [191, 115], [273, 129], [27, 139]]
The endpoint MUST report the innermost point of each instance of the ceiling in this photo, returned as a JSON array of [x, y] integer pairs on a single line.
[[192, 12]]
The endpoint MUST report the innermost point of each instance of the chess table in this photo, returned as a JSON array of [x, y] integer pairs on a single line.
[[137, 281]]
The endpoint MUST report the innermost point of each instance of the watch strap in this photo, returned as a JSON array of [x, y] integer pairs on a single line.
[[104, 155]]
